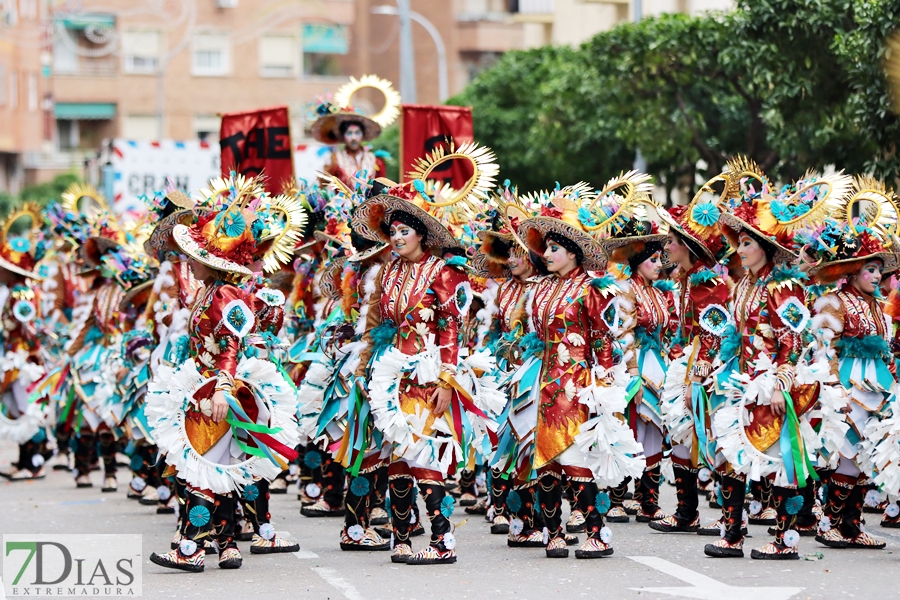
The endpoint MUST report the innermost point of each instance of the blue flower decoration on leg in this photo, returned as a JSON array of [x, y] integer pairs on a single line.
[[602, 503], [251, 492], [359, 486], [793, 505], [514, 501], [312, 459], [447, 506], [199, 516]]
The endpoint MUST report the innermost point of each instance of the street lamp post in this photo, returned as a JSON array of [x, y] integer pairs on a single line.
[[443, 92]]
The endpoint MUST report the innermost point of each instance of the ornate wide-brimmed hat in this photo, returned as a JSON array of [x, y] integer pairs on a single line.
[[166, 211], [566, 212], [698, 221], [438, 207], [499, 236], [331, 114], [751, 205], [628, 217], [241, 218], [21, 244], [843, 243]]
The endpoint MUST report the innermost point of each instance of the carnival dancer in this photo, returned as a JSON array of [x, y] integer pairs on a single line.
[[222, 420], [763, 430], [96, 334], [574, 321], [338, 122], [647, 306], [286, 215], [852, 327], [502, 256], [694, 240], [409, 364], [22, 419]]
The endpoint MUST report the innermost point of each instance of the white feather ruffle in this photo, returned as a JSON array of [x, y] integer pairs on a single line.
[[172, 390], [607, 443], [675, 414]]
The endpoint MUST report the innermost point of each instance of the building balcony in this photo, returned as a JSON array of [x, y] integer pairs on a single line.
[[57, 160], [534, 11], [489, 35]]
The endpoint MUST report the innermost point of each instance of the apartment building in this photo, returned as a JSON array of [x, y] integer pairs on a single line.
[[75, 73]]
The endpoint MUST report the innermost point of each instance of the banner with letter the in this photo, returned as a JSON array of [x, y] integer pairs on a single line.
[[258, 141]]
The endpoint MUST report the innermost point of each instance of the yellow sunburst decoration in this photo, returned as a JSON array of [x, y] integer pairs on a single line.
[[624, 190], [30, 210], [391, 109], [76, 193], [877, 208], [229, 191], [289, 231], [484, 171], [833, 203]]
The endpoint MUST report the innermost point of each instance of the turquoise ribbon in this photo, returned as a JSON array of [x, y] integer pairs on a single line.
[[700, 404]]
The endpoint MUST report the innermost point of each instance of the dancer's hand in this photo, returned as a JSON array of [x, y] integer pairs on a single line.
[[688, 397], [219, 406], [776, 404], [639, 397], [440, 399]]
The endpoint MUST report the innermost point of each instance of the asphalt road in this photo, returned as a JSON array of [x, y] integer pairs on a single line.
[[665, 566]]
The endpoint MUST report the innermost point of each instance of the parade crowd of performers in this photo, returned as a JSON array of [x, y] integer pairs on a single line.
[[393, 350]]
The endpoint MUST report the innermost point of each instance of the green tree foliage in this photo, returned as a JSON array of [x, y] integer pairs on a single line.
[[794, 84], [42, 193]]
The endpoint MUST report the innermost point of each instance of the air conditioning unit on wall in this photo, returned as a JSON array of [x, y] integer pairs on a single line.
[[226, 3]]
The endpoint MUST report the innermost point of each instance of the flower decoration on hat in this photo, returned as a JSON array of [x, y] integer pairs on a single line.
[[752, 206], [698, 221], [243, 225], [629, 217], [840, 248]]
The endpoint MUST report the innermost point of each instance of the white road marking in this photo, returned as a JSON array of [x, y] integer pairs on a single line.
[[301, 553], [706, 588], [2, 590], [344, 586]]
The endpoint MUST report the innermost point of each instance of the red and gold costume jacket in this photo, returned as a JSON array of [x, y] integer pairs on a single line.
[[702, 318], [414, 304], [575, 317], [220, 319]]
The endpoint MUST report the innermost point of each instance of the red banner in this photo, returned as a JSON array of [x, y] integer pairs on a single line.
[[424, 128], [257, 142]]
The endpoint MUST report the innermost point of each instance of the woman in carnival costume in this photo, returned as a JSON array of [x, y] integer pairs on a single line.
[[409, 363], [22, 418], [334, 415], [853, 331], [339, 122], [286, 216], [574, 322], [96, 333], [694, 240], [315, 309], [503, 256], [647, 306], [61, 292], [763, 431], [223, 419]]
